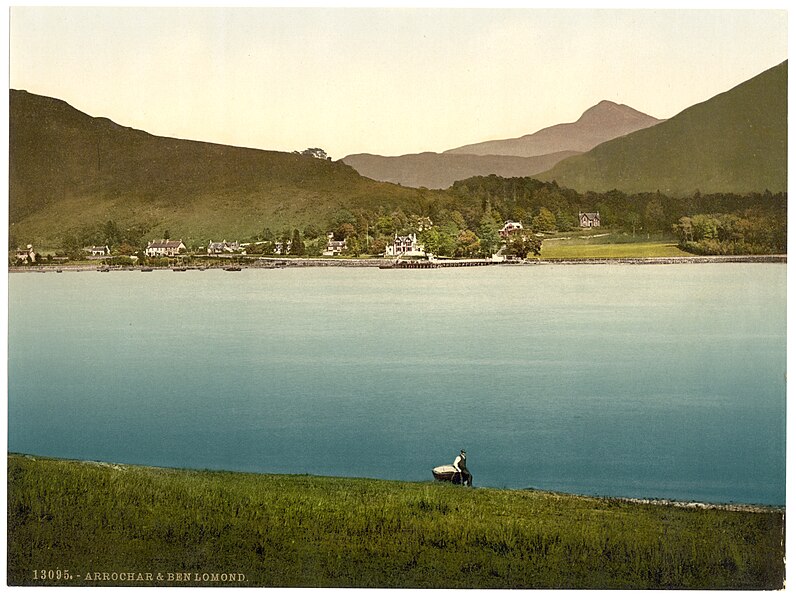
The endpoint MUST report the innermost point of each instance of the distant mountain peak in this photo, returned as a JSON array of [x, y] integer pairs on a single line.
[[734, 142], [606, 109], [604, 121]]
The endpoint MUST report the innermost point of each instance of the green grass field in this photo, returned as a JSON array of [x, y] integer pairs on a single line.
[[305, 531], [609, 245]]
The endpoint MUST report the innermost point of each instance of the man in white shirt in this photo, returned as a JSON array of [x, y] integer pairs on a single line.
[[460, 464]]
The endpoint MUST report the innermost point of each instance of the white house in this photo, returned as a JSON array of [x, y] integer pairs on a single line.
[[279, 247], [333, 247], [405, 245], [591, 219], [28, 255], [98, 250], [164, 248], [509, 227], [224, 247]]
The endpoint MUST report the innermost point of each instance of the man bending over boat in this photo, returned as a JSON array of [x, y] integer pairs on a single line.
[[460, 464]]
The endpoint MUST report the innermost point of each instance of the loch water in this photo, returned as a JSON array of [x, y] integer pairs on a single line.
[[651, 381]]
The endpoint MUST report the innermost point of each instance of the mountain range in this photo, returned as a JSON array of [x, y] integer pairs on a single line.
[[518, 157], [602, 122], [734, 142], [69, 170], [439, 171]]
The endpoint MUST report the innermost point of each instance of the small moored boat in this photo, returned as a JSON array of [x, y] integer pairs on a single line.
[[444, 472], [450, 474]]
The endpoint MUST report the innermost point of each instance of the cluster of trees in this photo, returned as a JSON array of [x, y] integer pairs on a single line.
[[319, 153], [289, 242], [448, 233], [123, 241], [464, 222], [751, 232], [526, 199]]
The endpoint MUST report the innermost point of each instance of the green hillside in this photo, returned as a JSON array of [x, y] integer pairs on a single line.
[[69, 170], [735, 142]]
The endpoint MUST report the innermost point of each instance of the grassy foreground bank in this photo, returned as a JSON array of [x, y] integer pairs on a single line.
[[131, 525]]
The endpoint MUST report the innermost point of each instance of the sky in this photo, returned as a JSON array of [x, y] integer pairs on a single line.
[[379, 80]]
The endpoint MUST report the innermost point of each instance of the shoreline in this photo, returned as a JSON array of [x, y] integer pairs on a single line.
[[691, 504], [280, 263]]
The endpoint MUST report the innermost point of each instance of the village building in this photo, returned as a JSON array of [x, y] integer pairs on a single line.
[[404, 245], [98, 251], [28, 255], [334, 247], [164, 248], [509, 227], [591, 219], [224, 247], [279, 247]]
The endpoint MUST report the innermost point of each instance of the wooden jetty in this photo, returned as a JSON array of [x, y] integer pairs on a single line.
[[440, 264]]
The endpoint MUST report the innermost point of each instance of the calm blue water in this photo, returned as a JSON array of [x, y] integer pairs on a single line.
[[644, 381]]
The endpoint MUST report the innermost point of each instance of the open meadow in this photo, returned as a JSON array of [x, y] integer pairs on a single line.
[[609, 245]]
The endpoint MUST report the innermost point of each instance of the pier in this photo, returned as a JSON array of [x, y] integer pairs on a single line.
[[439, 264]]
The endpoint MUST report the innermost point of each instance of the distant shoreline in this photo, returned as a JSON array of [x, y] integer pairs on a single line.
[[277, 263]]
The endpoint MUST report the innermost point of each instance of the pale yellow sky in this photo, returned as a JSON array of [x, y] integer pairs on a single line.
[[385, 81]]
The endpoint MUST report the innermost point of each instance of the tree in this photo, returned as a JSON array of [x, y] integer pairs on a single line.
[[112, 235], [344, 231], [296, 244], [488, 234], [654, 218], [521, 245], [400, 221], [430, 239], [72, 247], [125, 249], [565, 221], [353, 246], [705, 227], [285, 240], [467, 244], [385, 225], [458, 220], [319, 153], [545, 220], [311, 232], [684, 230], [341, 216], [377, 246]]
